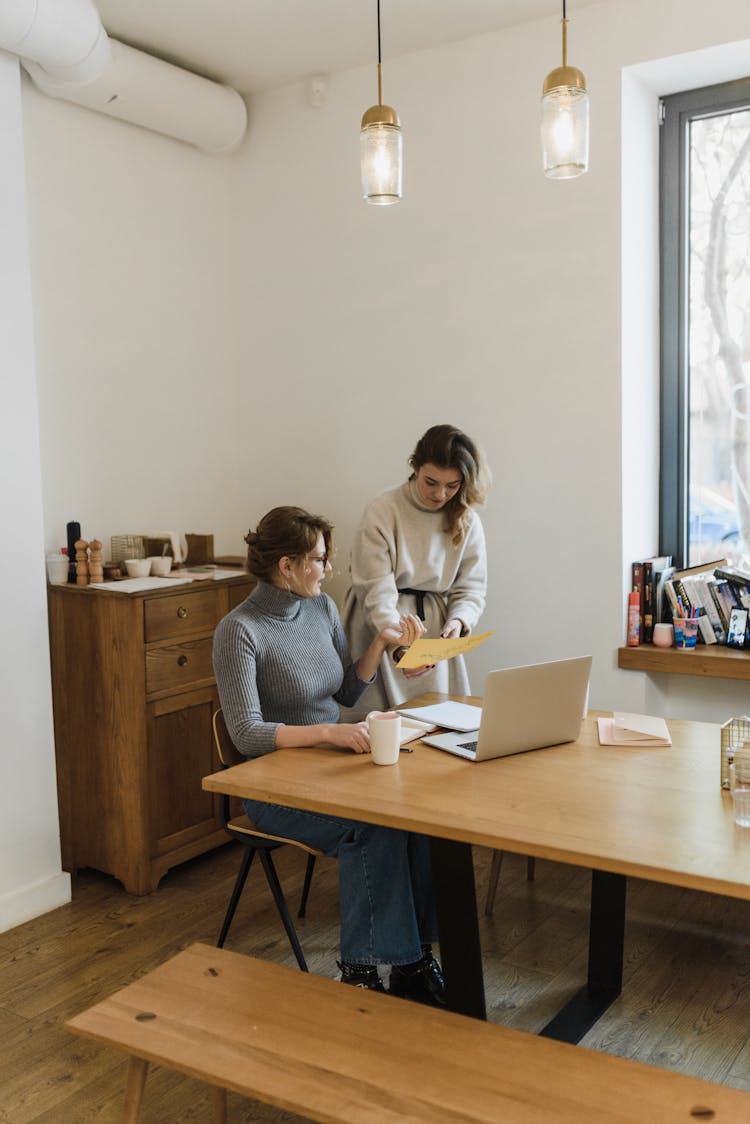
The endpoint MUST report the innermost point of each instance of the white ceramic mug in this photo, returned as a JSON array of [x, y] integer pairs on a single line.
[[385, 736], [137, 567], [161, 565]]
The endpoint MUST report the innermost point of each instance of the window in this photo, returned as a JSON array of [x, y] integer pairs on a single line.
[[705, 325]]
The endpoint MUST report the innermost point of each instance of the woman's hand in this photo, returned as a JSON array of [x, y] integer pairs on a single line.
[[415, 672], [402, 633], [350, 735], [452, 629]]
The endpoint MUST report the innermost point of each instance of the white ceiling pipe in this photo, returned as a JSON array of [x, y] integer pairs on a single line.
[[66, 51], [147, 91], [64, 37]]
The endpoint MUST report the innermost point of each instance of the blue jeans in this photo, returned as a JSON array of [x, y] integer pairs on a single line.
[[386, 903]]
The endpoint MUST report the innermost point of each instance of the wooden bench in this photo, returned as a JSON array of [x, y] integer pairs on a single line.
[[334, 1053]]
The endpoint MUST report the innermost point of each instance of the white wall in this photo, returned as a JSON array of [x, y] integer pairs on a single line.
[[489, 297], [215, 336], [30, 878], [136, 306]]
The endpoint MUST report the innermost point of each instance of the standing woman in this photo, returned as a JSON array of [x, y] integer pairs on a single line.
[[282, 668], [420, 548]]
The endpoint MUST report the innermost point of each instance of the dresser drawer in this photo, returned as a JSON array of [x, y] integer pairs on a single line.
[[167, 617], [177, 666]]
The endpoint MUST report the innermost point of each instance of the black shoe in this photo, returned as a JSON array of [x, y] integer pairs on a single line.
[[361, 975], [423, 982]]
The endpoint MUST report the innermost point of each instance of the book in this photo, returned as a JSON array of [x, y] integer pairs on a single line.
[[731, 574], [648, 581], [693, 593], [662, 610], [713, 589], [701, 568], [709, 608], [633, 730], [636, 586], [411, 729], [671, 598], [647, 632], [683, 600], [729, 598], [450, 715]]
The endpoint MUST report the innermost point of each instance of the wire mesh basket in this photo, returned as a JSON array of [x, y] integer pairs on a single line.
[[734, 733]]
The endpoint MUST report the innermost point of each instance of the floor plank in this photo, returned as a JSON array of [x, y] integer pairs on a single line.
[[685, 1004]]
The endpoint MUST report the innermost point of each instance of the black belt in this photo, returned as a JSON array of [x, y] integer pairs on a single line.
[[420, 595]]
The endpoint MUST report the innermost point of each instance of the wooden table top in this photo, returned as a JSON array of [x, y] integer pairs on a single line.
[[655, 813]]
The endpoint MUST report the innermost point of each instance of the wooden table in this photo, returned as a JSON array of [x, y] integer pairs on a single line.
[[656, 813]]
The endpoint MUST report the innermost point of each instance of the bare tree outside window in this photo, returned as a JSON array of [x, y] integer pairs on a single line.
[[718, 503]]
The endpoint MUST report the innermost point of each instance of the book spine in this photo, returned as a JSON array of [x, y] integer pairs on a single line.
[[713, 589], [662, 608], [636, 586], [709, 609], [736, 577], [682, 596], [671, 596], [648, 602], [729, 598], [705, 629]]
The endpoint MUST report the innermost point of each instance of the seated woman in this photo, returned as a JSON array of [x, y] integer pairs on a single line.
[[282, 667]]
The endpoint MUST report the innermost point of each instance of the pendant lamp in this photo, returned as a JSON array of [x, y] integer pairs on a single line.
[[565, 118], [380, 148]]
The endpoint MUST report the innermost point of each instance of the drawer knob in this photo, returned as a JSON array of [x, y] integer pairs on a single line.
[[182, 612], [182, 660]]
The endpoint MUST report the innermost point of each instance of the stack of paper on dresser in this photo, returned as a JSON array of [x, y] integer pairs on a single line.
[[633, 729]]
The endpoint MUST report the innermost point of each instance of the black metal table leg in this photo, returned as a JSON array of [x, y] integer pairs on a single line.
[[606, 944], [458, 926]]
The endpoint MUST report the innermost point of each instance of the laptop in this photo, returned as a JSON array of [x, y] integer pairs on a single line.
[[524, 708]]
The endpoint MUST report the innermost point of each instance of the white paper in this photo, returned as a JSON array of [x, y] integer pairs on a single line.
[[138, 585], [635, 727]]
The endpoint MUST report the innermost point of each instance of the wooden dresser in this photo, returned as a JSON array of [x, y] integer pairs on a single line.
[[133, 695]]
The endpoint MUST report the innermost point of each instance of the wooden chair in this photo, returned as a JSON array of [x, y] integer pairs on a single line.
[[497, 862], [260, 843]]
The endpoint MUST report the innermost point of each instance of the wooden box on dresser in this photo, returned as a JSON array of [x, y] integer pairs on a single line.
[[133, 694]]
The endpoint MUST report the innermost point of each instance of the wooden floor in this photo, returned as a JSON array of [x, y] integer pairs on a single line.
[[685, 1004]]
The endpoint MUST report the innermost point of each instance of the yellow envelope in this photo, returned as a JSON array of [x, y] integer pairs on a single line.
[[424, 651]]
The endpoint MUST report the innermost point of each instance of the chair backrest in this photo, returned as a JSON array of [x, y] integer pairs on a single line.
[[228, 753]]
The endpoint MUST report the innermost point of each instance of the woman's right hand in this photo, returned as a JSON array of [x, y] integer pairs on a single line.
[[350, 735]]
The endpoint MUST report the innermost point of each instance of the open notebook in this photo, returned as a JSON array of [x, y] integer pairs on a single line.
[[411, 729]]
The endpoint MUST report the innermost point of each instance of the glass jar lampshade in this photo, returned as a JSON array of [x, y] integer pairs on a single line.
[[381, 155], [565, 124]]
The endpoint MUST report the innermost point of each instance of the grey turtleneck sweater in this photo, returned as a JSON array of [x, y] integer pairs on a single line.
[[279, 660]]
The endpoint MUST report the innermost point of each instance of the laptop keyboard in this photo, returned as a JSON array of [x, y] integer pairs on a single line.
[[468, 745]]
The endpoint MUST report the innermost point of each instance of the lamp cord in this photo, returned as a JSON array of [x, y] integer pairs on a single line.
[[379, 59]]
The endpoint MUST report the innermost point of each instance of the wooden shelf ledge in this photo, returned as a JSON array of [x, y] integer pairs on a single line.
[[715, 661]]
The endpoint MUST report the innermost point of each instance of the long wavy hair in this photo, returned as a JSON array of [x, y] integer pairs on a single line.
[[445, 446], [284, 532]]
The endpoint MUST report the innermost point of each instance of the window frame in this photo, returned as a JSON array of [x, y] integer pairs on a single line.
[[676, 113]]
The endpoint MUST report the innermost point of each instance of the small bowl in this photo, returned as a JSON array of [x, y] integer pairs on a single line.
[[138, 567], [160, 565]]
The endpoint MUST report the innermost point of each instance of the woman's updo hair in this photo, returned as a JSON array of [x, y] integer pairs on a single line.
[[447, 447], [284, 532]]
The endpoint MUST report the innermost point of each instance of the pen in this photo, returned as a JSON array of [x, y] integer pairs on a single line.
[[406, 749]]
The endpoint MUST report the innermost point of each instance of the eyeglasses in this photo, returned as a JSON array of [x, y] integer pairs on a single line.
[[322, 559]]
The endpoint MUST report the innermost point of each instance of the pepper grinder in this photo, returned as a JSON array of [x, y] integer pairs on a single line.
[[96, 566], [82, 565]]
